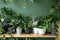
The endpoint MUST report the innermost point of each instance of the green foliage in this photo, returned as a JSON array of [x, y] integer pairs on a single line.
[[20, 21], [27, 22], [43, 27], [1, 29]]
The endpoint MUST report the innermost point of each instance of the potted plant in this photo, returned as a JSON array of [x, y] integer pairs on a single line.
[[53, 29], [28, 25], [42, 29], [47, 20], [18, 30], [53, 26], [11, 29], [34, 24], [5, 25], [28, 29], [6, 14], [19, 24]]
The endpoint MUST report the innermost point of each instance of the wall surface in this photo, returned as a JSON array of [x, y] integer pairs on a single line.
[[37, 8], [27, 8]]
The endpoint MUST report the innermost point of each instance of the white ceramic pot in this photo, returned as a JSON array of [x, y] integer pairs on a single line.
[[18, 31], [41, 31], [35, 30]]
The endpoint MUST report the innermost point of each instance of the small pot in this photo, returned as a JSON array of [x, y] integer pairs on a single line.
[[11, 30], [35, 30], [28, 30], [18, 30], [41, 31], [53, 32]]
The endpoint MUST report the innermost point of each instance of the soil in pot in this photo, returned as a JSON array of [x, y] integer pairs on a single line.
[[28, 30]]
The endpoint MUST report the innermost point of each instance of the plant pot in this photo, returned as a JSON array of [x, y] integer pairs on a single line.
[[35, 30], [41, 31], [53, 32], [11, 30], [18, 30], [5, 26], [28, 30]]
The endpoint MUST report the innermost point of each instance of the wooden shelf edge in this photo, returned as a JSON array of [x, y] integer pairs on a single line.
[[29, 35]]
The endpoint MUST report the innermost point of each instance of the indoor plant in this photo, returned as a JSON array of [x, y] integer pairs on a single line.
[[18, 30], [42, 29], [35, 25], [47, 21], [53, 29], [27, 25]]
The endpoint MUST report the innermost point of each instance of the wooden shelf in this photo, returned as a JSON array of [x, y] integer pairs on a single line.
[[59, 31], [28, 35]]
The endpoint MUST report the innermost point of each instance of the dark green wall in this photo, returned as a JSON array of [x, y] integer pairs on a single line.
[[37, 8]]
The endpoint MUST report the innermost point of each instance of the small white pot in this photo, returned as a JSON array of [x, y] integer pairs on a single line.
[[18, 31], [41, 31], [35, 30]]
